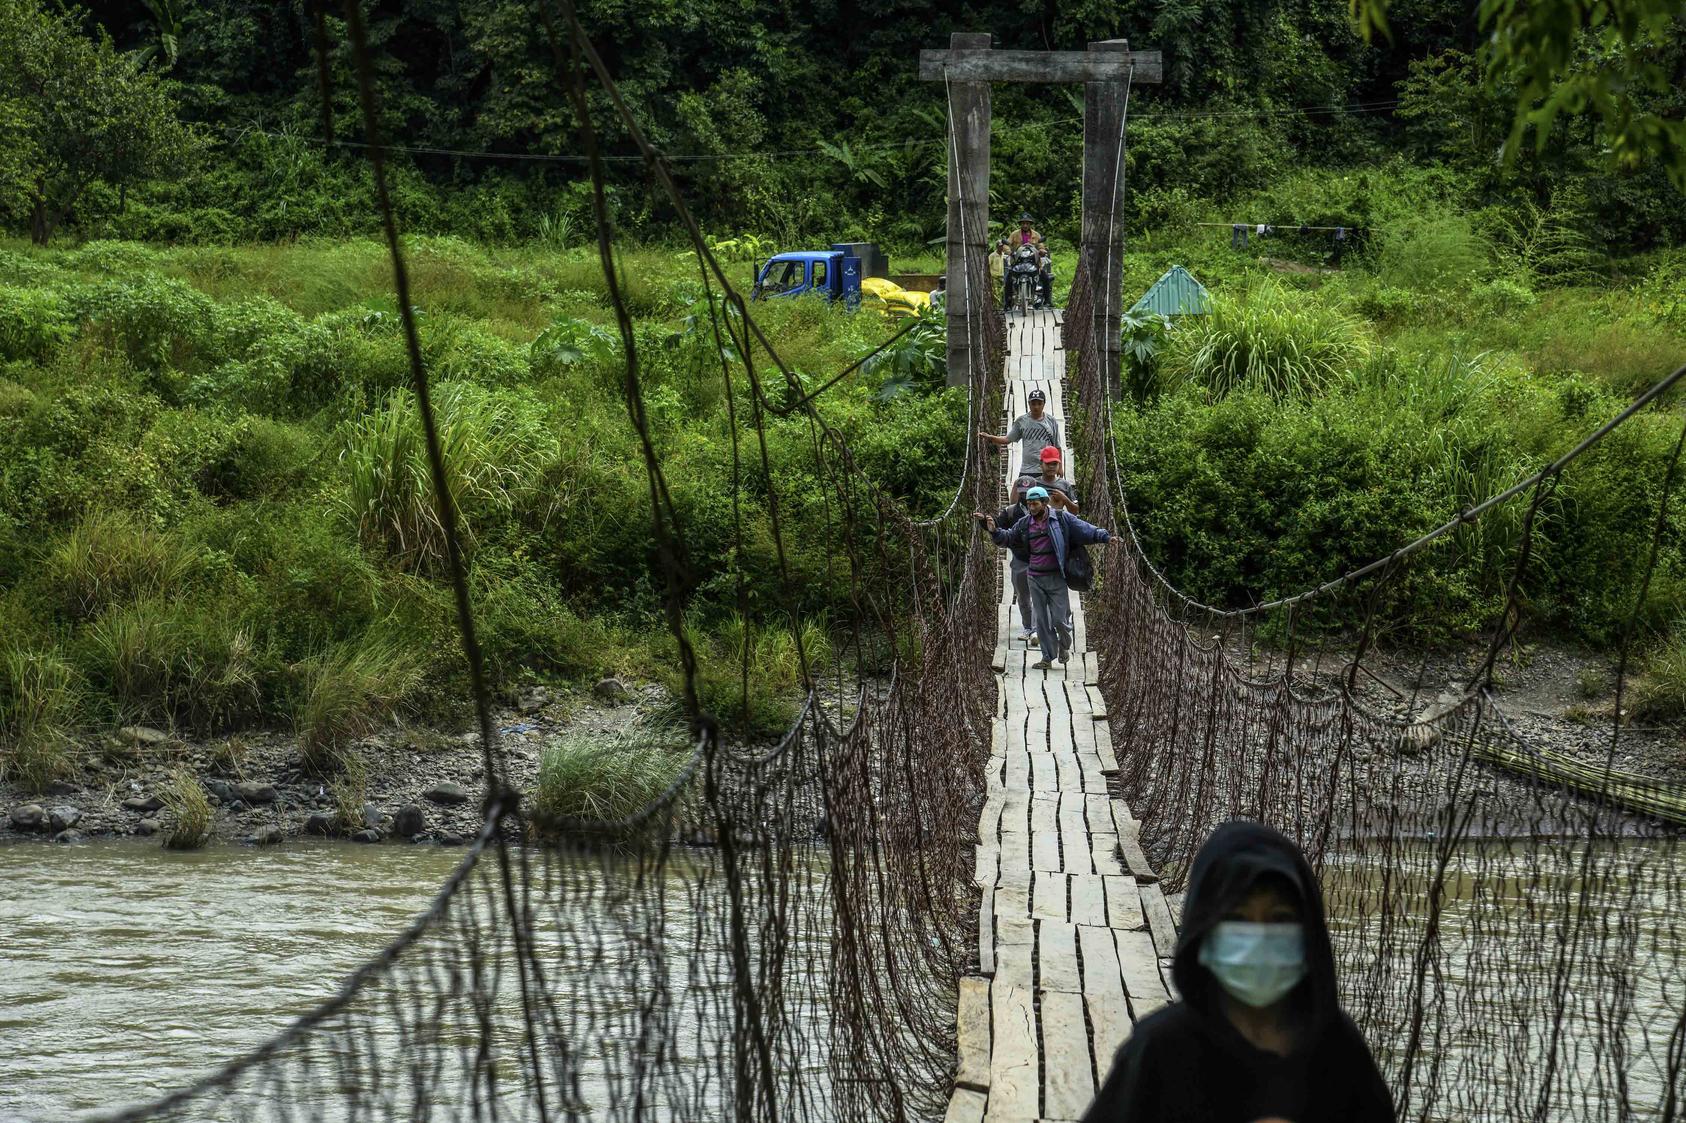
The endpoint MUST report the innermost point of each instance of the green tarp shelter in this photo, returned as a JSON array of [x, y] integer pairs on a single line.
[[1177, 293]]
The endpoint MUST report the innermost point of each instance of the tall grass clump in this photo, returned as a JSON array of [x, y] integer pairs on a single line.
[[110, 558], [189, 806], [605, 777], [1287, 345], [178, 662], [1660, 692], [775, 687], [37, 704], [391, 501], [347, 693]]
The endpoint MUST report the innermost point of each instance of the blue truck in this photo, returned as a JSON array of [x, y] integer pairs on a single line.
[[834, 274]]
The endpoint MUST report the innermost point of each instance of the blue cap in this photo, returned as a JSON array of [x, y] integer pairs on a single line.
[[1037, 493]]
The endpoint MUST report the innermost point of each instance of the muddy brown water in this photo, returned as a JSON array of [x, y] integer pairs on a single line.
[[126, 971]]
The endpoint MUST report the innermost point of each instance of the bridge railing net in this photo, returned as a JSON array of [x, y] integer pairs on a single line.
[[780, 934], [1513, 945]]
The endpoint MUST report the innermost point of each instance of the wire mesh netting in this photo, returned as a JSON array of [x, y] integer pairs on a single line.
[[1507, 919]]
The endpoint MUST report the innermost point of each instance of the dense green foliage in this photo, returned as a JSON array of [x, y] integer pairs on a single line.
[[77, 115], [1320, 419], [214, 506], [813, 125], [213, 503]]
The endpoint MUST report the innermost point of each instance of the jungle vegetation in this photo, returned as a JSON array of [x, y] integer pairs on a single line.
[[213, 509]]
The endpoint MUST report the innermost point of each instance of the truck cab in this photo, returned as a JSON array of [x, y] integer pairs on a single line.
[[834, 274]]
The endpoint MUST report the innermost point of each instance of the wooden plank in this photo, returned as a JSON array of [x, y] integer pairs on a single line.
[[1045, 850], [1056, 957], [986, 934], [1103, 989], [1015, 932], [1124, 904], [1048, 901], [966, 1106], [1097, 702], [1103, 853], [1068, 1082], [1074, 844], [1015, 852], [1140, 968], [1159, 920], [1103, 747], [972, 1032], [1129, 841], [986, 866], [1088, 899], [1015, 1076]]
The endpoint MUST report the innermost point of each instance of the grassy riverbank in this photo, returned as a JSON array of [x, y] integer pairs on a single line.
[[1320, 418], [214, 509]]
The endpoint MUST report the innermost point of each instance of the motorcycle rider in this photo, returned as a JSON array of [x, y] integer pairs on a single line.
[[1027, 235]]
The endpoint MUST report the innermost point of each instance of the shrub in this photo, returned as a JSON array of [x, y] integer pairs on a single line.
[[1284, 344], [488, 455], [605, 777], [348, 692], [775, 686], [155, 321], [37, 703], [570, 344], [1432, 252], [1661, 691], [255, 458], [189, 806], [176, 662], [110, 558], [33, 323]]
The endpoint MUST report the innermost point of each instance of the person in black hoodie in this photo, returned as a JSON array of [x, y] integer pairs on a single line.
[[1259, 1035]]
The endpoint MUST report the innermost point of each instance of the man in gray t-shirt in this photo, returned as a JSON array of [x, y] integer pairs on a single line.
[[1034, 431]]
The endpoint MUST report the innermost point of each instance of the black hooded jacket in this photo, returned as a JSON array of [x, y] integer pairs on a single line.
[[1187, 1063]]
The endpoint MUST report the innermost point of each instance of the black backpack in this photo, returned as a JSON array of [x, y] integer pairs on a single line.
[[1079, 570]]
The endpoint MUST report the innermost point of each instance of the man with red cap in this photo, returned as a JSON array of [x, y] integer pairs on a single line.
[[1061, 493]]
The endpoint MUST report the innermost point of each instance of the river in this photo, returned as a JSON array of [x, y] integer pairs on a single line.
[[127, 970]]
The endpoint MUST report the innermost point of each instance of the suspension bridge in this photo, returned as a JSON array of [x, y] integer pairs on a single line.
[[943, 893]]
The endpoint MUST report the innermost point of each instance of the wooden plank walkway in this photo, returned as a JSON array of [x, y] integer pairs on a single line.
[[1074, 937]]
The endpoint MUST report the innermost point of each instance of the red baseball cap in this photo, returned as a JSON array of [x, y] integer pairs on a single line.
[[1049, 452]]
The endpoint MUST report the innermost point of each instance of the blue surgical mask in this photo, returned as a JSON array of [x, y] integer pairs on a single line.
[[1256, 963]]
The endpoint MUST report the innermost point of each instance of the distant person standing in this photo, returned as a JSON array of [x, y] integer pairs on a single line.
[[1259, 1035], [1034, 431], [1049, 537]]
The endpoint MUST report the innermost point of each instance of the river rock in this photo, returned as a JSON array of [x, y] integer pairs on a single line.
[[142, 735], [611, 690], [269, 836], [147, 827], [368, 835], [28, 817], [372, 816], [220, 788], [410, 820], [447, 793], [64, 817], [322, 823], [255, 793], [450, 839], [533, 700], [142, 803], [68, 836]]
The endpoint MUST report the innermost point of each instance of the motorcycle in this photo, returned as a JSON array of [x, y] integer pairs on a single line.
[[1023, 274]]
